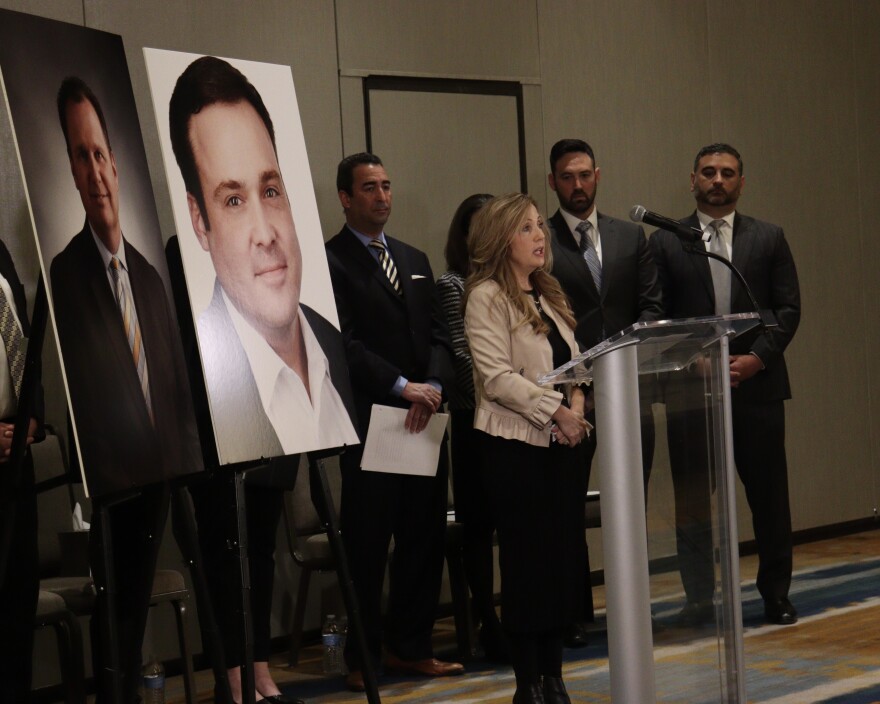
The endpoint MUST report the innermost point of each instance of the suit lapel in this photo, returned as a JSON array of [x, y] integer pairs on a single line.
[[404, 272], [610, 249], [361, 256], [700, 262], [572, 257], [743, 243]]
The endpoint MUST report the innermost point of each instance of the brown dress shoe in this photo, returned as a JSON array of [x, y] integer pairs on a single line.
[[354, 680], [429, 667]]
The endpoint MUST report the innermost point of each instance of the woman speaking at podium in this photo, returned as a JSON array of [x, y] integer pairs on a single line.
[[519, 326]]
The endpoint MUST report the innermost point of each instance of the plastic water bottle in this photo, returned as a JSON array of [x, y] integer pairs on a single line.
[[154, 682], [332, 638]]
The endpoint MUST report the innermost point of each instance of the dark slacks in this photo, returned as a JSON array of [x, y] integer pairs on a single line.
[[376, 507], [214, 503], [18, 590], [527, 490], [136, 527], [759, 454], [472, 511]]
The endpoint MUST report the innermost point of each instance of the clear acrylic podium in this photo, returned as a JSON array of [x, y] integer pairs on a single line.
[[689, 361]]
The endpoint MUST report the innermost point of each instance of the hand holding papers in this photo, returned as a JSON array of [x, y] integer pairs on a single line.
[[390, 447]]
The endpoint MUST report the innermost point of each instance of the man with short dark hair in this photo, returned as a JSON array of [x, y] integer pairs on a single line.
[[399, 354], [268, 359], [19, 559], [125, 373], [275, 369], [608, 274], [693, 286]]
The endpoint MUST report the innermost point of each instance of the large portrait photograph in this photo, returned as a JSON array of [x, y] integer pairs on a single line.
[[253, 255], [69, 95]]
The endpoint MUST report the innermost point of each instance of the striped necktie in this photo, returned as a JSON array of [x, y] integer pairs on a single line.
[[13, 341], [589, 253], [132, 328], [720, 272], [387, 264]]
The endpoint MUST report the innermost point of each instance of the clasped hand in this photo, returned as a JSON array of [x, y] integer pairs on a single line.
[[424, 400], [571, 428]]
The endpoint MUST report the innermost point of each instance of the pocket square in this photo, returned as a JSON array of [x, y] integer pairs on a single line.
[[418, 276]]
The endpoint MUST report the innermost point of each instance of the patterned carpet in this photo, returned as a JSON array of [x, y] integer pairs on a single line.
[[832, 655]]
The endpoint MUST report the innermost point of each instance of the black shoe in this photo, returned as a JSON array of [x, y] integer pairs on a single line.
[[575, 636], [280, 699], [530, 694], [696, 613], [780, 611], [554, 691]]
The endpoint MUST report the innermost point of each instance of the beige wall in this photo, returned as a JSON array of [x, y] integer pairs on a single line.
[[794, 84]]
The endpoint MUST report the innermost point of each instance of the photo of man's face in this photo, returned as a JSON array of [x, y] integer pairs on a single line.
[[93, 166], [247, 226]]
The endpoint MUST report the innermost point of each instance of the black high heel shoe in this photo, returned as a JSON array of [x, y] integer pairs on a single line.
[[554, 691], [530, 694]]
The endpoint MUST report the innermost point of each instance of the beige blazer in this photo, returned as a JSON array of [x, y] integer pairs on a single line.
[[507, 363]]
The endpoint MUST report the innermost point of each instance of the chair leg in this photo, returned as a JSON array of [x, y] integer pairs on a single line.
[[189, 681], [302, 593], [70, 657]]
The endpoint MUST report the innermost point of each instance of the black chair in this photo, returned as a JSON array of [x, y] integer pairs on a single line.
[[52, 611], [310, 548], [64, 569]]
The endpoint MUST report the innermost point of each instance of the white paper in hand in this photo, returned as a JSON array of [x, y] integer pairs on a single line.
[[390, 447]]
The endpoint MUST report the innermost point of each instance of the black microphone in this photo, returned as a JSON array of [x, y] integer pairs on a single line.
[[690, 236], [640, 214]]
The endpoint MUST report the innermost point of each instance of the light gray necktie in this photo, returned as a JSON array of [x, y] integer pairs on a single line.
[[125, 301], [13, 341], [589, 253], [720, 272]]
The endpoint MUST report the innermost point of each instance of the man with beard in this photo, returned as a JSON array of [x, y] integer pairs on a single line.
[[606, 269], [692, 286]]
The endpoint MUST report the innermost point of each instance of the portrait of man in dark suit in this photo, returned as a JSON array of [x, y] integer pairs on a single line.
[[129, 393], [693, 287], [119, 340], [275, 370]]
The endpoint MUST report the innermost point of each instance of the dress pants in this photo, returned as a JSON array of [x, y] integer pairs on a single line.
[[759, 452], [19, 589], [214, 502], [472, 511], [136, 528], [527, 489], [377, 506]]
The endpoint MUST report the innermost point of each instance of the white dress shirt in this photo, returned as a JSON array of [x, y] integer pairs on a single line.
[[303, 421]]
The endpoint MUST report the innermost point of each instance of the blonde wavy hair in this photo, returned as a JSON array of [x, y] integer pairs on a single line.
[[492, 230]]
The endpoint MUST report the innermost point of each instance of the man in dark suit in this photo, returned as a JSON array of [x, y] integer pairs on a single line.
[[758, 376], [19, 560], [609, 276], [125, 373], [399, 355]]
